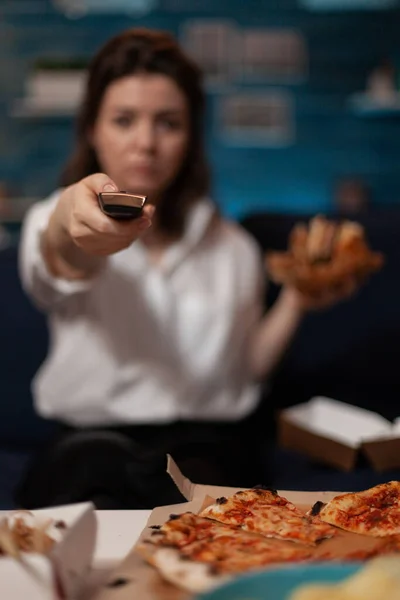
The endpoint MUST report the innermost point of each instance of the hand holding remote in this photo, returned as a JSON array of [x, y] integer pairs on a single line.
[[122, 205], [93, 231]]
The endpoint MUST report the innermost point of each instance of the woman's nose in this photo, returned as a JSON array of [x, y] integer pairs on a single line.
[[144, 136]]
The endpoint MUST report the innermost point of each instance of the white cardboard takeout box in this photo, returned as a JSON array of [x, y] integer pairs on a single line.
[[336, 432], [62, 573]]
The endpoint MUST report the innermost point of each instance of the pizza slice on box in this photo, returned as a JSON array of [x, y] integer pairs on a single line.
[[269, 514], [374, 512], [196, 553]]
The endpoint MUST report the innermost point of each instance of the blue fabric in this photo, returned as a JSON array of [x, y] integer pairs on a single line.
[[23, 347], [12, 466], [292, 471]]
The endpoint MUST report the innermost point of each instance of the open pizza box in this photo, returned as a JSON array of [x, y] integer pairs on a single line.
[[62, 573], [336, 433], [134, 578]]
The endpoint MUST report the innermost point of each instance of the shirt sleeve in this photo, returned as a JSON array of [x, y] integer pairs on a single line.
[[255, 264], [45, 289]]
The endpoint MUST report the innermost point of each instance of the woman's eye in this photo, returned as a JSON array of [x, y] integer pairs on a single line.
[[171, 124], [123, 121]]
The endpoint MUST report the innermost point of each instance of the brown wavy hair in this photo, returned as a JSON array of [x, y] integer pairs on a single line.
[[146, 51]]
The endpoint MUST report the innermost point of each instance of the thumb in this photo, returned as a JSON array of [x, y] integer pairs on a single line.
[[100, 182]]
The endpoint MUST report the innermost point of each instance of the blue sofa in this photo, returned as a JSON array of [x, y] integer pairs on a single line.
[[350, 352]]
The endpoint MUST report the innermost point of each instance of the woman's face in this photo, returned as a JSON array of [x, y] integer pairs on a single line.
[[142, 133]]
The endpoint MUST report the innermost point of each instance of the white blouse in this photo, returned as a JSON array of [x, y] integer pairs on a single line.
[[143, 343]]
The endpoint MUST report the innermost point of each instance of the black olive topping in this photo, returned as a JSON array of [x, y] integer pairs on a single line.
[[221, 500], [316, 509]]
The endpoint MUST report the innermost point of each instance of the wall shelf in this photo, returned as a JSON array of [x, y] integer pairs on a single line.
[[28, 108], [348, 5], [365, 105]]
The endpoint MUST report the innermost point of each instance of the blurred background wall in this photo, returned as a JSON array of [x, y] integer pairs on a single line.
[[287, 120]]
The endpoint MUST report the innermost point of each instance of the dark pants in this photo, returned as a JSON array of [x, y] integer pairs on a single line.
[[125, 467]]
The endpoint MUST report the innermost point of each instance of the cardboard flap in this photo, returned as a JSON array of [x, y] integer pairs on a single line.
[[338, 421], [200, 493], [316, 447], [73, 558], [194, 491], [383, 454], [184, 485]]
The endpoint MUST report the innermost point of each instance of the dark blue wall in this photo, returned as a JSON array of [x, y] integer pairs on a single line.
[[331, 141]]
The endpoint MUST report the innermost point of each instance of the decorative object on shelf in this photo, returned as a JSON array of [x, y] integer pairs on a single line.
[[331, 5], [78, 8], [352, 196], [230, 54], [381, 84], [54, 87], [257, 118], [214, 44], [275, 55], [381, 97]]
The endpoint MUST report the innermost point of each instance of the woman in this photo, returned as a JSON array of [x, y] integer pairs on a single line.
[[160, 342]]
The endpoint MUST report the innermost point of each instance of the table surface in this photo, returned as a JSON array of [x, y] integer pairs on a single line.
[[118, 531]]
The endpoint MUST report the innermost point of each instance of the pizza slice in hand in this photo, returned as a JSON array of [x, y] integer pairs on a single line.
[[323, 255]]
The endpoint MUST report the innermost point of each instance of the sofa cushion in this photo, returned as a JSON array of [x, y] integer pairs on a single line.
[[24, 341], [13, 464]]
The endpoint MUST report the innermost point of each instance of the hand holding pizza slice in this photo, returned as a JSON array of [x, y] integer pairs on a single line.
[[325, 260]]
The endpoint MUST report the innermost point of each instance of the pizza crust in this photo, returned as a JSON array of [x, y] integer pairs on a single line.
[[194, 577]]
